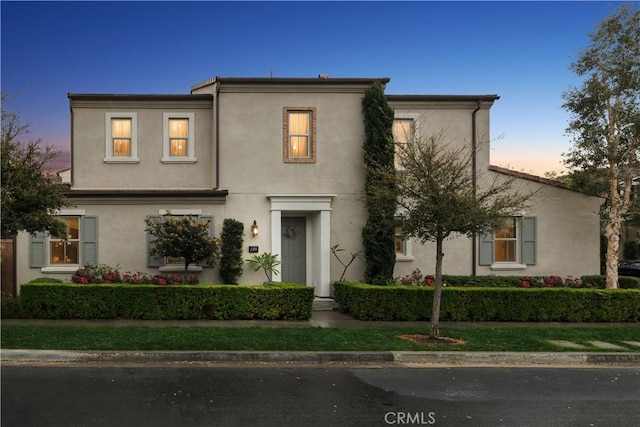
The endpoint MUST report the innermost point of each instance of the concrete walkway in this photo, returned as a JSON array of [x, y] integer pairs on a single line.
[[325, 316]]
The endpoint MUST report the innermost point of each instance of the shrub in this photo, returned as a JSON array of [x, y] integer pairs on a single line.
[[91, 274], [369, 302], [46, 280], [231, 250], [125, 301], [598, 281]]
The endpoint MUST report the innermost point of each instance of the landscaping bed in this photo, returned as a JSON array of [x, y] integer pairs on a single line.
[[506, 304], [275, 301]]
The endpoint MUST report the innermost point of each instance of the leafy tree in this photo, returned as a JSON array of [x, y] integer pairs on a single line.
[[605, 119], [379, 190], [437, 198], [183, 236], [231, 251], [30, 196]]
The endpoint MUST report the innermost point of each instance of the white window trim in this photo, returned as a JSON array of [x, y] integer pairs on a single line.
[[166, 149], [506, 266], [109, 157], [175, 268], [180, 212]]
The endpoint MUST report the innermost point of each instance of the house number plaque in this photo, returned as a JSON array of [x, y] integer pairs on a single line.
[[253, 249]]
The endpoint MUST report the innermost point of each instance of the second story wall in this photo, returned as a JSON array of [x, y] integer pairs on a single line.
[[296, 137], [142, 142]]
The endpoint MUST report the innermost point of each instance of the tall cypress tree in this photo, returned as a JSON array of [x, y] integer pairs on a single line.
[[380, 187]]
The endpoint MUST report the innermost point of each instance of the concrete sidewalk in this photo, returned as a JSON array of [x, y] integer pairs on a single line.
[[323, 316]]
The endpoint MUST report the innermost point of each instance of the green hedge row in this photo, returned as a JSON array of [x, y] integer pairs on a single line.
[[595, 281], [369, 302], [116, 301]]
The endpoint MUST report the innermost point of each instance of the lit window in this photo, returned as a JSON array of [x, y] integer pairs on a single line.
[[299, 135], [121, 138], [63, 252], [505, 241], [400, 241], [121, 134], [178, 138], [403, 133]]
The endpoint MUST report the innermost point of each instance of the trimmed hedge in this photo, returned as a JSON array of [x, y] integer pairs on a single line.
[[370, 302], [125, 301], [624, 282]]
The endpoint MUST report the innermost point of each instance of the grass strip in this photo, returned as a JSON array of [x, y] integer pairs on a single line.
[[140, 338]]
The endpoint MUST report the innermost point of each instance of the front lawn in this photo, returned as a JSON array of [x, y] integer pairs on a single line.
[[140, 338]]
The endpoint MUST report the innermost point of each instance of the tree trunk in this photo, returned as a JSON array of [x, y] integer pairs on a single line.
[[435, 312], [612, 231]]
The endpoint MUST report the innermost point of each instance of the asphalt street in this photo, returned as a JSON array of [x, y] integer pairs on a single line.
[[264, 394]]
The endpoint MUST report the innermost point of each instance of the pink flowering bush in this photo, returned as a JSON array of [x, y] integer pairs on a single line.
[[416, 278], [105, 274], [550, 282]]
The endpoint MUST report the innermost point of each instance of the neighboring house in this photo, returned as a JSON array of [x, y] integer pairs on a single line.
[[287, 154]]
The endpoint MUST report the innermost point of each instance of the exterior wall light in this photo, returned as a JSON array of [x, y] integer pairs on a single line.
[[254, 229]]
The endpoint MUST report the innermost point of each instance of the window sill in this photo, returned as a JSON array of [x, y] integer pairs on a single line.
[[123, 160], [60, 270], [506, 266], [179, 269], [404, 258], [178, 160]]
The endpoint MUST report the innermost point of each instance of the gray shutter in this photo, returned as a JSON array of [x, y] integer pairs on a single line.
[[152, 261], [37, 250], [209, 218], [529, 240], [485, 249], [89, 240]]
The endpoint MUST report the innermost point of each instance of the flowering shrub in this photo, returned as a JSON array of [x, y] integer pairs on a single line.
[[550, 282], [416, 278], [106, 274]]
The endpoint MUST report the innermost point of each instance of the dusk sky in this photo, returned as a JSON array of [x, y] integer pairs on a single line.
[[520, 51]]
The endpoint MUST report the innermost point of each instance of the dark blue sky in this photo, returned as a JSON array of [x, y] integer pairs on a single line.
[[519, 50]]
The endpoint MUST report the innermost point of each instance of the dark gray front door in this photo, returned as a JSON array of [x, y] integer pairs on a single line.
[[294, 243]]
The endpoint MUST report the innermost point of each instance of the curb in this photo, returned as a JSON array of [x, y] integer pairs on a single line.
[[480, 358]]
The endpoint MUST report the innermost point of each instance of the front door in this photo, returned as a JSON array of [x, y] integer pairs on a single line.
[[294, 244]]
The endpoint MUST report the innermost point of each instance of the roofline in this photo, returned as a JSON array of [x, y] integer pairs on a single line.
[[137, 97], [320, 80], [146, 193], [535, 178], [418, 98]]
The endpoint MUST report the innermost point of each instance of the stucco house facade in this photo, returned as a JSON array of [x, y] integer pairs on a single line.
[[285, 153]]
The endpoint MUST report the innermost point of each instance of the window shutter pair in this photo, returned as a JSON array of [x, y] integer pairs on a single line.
[[88, 244], [154, 262], [527, 241]]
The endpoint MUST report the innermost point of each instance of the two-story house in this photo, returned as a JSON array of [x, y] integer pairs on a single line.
[[285, 155]]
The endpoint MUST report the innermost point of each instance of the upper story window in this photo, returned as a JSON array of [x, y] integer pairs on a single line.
[[121, 138], [403, 133], [178, 138], [299, 135]]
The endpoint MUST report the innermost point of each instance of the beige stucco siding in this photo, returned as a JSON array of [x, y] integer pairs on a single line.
[[91, 171], [567, 238]]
